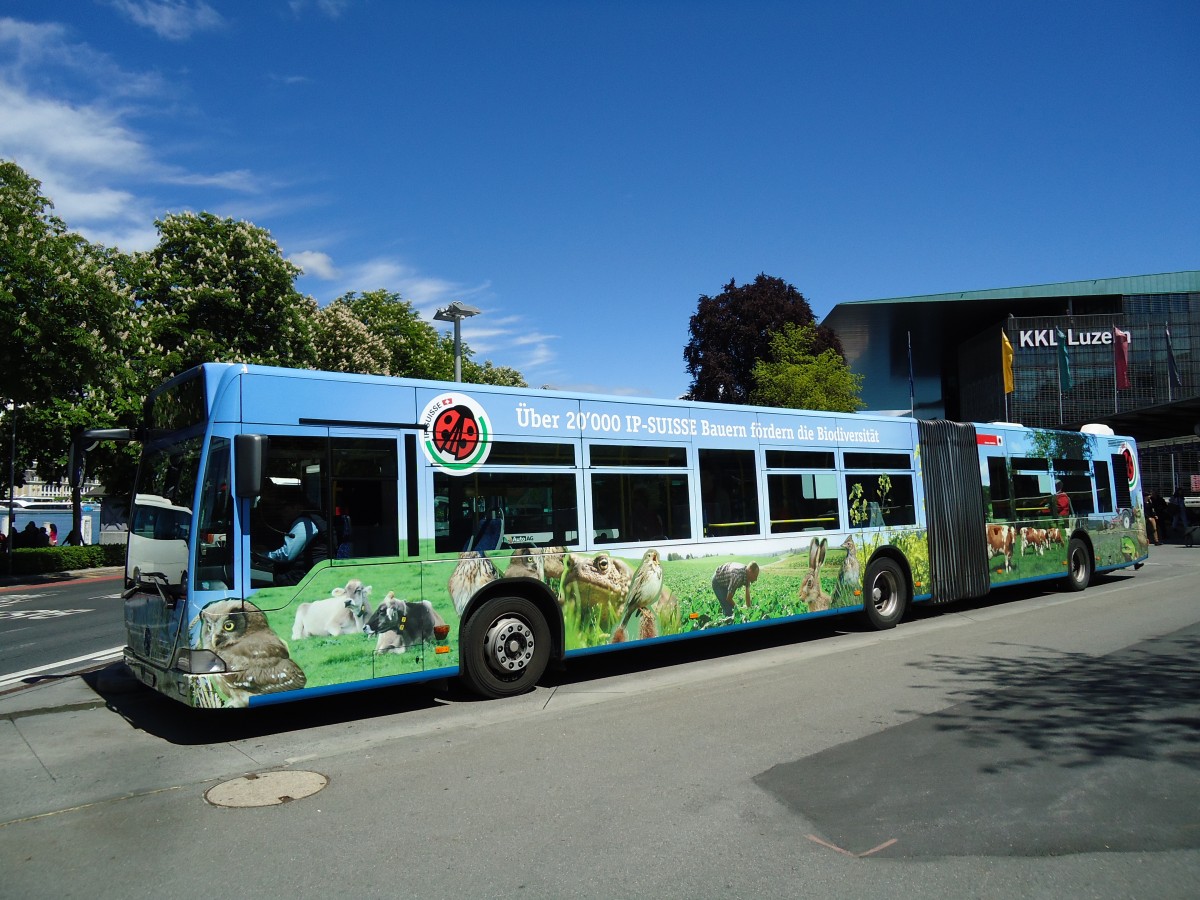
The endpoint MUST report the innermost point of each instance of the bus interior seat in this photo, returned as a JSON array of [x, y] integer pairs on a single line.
[[490, 533]]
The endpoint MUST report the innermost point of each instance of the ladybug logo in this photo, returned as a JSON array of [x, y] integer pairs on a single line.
[[1130, 466], [456, 433]]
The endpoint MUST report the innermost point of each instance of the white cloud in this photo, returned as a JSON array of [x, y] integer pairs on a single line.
[[131, 239], [61, 134], [316, 264], [234, 180], [331, 8], [174, 20], [505, 339], [42, 49], [58, 122]]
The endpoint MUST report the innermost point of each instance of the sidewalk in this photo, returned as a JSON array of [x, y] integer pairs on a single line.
[[63, 693], [56, 577]]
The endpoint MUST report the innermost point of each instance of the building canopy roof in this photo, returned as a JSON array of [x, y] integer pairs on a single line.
[[1166, 283], [937, 323]]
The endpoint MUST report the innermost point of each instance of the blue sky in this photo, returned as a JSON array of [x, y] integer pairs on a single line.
[[584, 171]]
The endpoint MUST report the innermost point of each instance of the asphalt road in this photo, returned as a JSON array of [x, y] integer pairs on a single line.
[[47, 621], [1034, 744]]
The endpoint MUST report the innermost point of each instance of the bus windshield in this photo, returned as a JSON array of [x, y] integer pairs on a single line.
[[161, 518], [161, 514]]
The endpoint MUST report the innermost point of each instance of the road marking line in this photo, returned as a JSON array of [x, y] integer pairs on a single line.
[[98, 656], [38, 614], [836, 848]]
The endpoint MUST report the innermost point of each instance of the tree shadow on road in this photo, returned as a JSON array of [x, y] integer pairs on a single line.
[[1045, 753], [1078, 710]]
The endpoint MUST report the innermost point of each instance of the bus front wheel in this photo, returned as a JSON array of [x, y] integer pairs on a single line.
[[505, 647], [1079, 565], [885, 594]]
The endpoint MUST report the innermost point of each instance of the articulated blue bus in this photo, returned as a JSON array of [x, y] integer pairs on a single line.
[[298, 533]]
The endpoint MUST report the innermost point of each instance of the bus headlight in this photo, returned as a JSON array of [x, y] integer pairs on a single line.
[[199, 662]]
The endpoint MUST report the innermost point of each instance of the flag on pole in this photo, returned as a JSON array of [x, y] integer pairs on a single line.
[[1121, 358], [1006, 358], [912, 402], [1064, 362], [1172, 367]]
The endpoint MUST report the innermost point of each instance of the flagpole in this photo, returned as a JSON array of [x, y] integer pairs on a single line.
[[1060, 401], [912, 391], [1116, 350], [1170, 364]]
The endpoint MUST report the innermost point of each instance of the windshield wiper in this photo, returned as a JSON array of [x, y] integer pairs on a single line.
[[160, 581]]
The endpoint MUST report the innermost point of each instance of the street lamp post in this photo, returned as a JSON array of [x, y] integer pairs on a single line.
[[456, 312], [11, 409]]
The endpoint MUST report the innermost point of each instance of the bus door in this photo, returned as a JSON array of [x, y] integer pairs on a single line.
[[328, 537]]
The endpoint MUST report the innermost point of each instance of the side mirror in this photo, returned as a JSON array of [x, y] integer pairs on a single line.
[[250, 459], [83, 442]]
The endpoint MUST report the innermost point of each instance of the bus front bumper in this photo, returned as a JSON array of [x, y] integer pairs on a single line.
[[198, 691]]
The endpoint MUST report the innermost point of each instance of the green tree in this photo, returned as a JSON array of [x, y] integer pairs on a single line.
[[66, 317], [796, 375], [406, 345], [410, 345], [732, 331], [505, 376], [216, 289]]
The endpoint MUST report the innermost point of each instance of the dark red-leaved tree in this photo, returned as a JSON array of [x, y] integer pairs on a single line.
[[732, 331]]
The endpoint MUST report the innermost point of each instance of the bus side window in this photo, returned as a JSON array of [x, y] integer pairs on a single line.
[[496, 510], [803, 501], [729, 492], [645, 498], [365, 497], [1104, 492], [998, 488], [878, 500]]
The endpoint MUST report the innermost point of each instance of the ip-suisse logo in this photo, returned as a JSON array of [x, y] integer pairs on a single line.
[[457, 433]]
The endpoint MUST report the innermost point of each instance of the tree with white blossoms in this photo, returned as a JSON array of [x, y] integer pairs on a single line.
[[345, 344], [408, 345], [89, 331], [220, 290], [66, 319]]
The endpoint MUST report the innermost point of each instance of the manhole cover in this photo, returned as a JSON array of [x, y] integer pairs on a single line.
[[267, 789]]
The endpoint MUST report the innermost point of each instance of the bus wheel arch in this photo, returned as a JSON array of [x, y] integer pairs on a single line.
[[507, 639], [887, 590], [1080, 563]]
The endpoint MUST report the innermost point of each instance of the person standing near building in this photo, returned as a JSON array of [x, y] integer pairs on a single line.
[[1179, 516], [1152, 529]]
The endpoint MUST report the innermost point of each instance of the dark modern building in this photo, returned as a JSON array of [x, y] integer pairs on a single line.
[[955, 365]]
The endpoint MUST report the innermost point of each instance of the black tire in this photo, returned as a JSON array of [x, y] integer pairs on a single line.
[[505, 647], [885, 594], [1079, 565]]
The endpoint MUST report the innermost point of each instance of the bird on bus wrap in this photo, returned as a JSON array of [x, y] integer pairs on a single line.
[[257, 659], [643, 591], [849, 577]]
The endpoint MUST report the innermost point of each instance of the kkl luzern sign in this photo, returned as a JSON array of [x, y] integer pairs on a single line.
[[1046, 337]]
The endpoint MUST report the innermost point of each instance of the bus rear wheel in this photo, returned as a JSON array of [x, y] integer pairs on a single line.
[[885, 594], [505, 647], [1079, 565]]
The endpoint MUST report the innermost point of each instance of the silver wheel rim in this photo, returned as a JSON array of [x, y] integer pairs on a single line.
[[1078, 566], [885, 594], [509, 646]]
